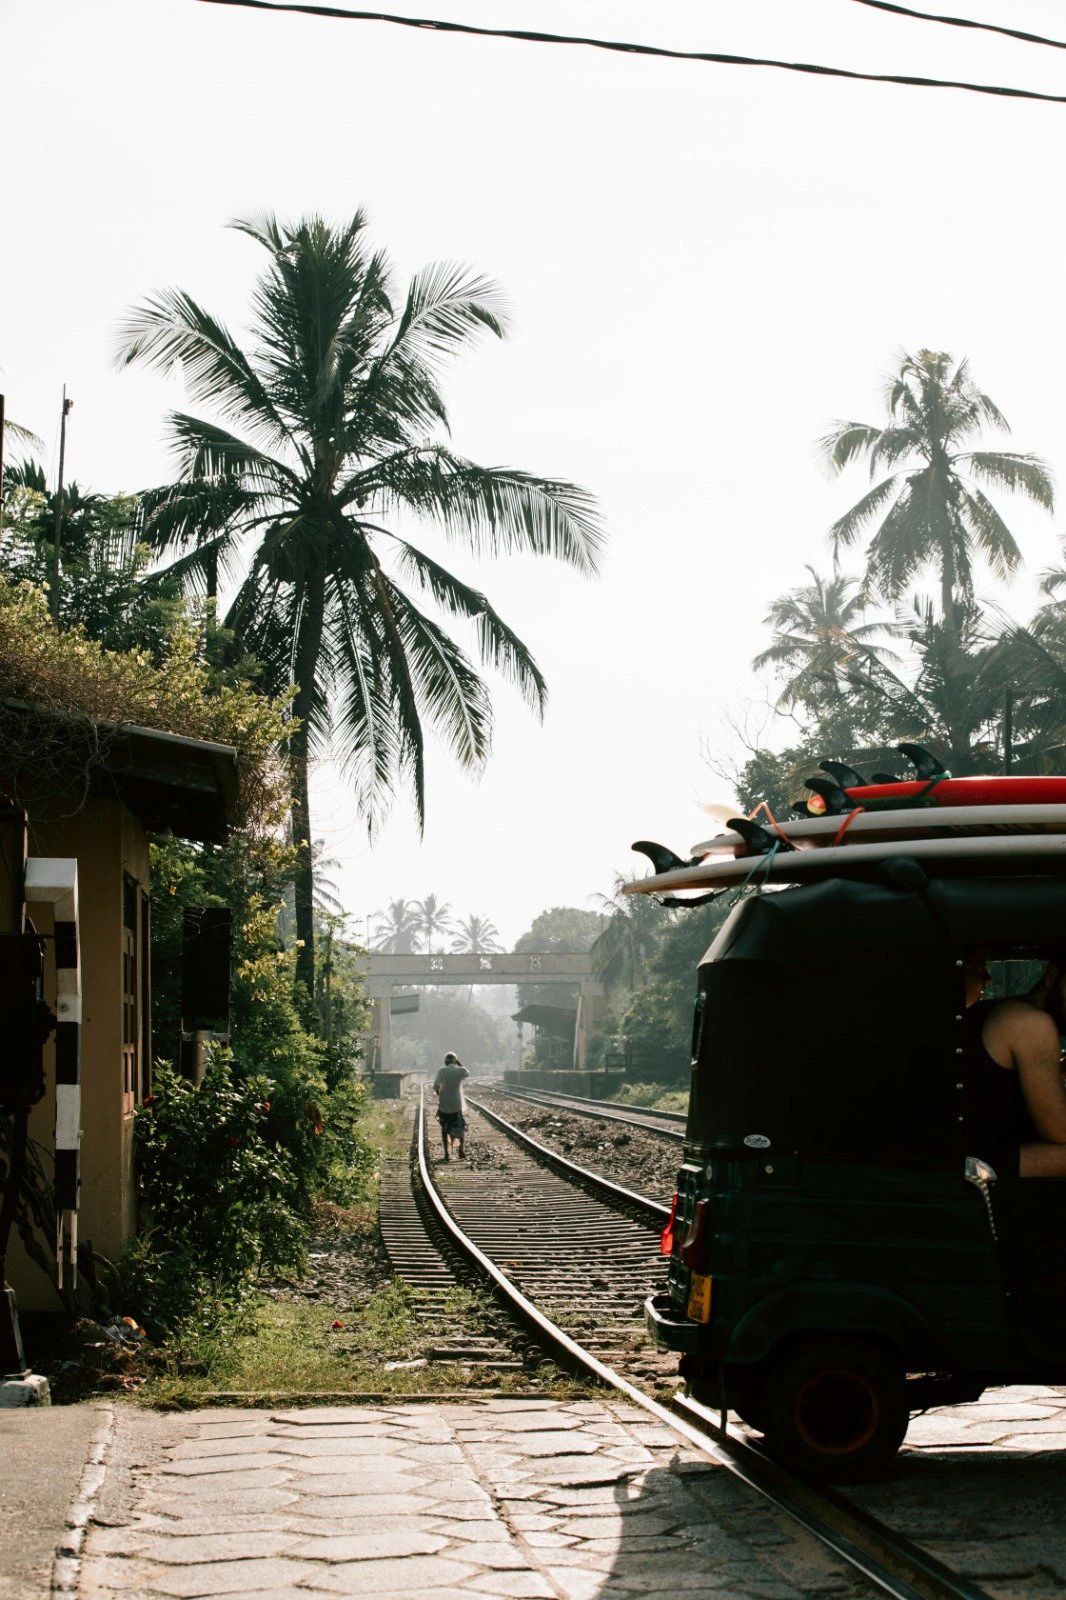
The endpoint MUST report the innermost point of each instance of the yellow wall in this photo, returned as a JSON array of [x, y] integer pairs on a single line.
[[107, 841]]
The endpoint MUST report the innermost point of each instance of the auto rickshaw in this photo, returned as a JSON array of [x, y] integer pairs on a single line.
[[841, 1250]]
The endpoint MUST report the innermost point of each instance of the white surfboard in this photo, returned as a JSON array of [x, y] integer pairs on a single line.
[[1047, 850], [808, 833]]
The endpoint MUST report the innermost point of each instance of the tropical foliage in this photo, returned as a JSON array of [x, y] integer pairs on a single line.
[[397, 928], [475, 934], [77, 685], [435, 922], [323, 440], [407, 927], [104, 569], [624, 948], [945, 669], [862, 659], [275, 1125], [932, 509]]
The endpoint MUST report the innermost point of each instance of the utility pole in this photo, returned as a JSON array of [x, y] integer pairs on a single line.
[[59, 504], [1008, 729]]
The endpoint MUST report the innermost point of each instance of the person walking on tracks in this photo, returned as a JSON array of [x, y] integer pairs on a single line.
[[448, 1088]]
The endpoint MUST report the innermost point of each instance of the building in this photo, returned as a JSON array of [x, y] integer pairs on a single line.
[[100, 811]]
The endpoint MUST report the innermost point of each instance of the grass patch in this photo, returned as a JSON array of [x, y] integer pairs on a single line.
[[652, 1096], [351, 1329], [291, 1347]]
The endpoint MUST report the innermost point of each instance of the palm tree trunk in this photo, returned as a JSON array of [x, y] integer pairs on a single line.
[[310, 643], [303, 875]]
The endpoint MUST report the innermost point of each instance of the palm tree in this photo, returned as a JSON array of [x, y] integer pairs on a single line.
[[435, 921], [954, 700], [476, 934], [81, 511], [931, 508], [819, 632], [396, 933], [327, 892], [621, 952], [1031, 662], [15, 433], [324, 437]]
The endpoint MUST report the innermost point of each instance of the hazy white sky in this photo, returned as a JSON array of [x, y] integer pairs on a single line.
[[706, 265]]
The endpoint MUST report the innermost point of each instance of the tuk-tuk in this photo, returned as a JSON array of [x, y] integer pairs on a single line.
[[841, 1250]]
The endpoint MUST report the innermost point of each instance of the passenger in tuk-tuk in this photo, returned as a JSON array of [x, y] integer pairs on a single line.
[[1014, 1053]]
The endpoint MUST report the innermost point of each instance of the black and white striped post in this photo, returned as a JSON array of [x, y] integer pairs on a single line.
[[54, 880]]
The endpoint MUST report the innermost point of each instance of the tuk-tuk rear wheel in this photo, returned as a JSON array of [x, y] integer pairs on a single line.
[[835, 1408]]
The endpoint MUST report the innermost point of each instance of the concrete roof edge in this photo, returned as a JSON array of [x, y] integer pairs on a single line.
[[210, 746]]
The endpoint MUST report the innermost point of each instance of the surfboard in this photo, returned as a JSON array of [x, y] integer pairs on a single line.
[[811, 833], [979, 791], [1046, 852]]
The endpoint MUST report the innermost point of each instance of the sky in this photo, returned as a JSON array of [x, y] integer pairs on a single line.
[[706, 266]]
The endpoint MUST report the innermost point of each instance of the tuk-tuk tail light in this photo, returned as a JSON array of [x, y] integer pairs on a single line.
[[666, 1238]]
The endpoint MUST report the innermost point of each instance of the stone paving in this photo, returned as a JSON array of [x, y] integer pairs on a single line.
[[508, 1498], [983, 1486]]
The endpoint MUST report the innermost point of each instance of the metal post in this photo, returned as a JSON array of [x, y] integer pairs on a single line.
[[12, 1355], [386, 1028], [58, 533]]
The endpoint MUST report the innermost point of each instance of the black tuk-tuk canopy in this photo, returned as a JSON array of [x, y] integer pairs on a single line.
[[830, 1016]]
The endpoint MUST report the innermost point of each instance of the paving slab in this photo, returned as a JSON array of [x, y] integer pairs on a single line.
[[590, 1501], [555, 1500]]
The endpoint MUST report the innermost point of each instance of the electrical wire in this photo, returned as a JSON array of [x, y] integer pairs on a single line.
[[962, 22], [532, 36]]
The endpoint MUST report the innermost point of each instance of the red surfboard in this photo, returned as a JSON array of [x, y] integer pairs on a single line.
[[1002, 791]]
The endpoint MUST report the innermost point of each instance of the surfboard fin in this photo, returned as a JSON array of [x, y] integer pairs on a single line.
[[836, 802], [662, 859], [885, 777], [759, 840], [846, 776], [925, 765]]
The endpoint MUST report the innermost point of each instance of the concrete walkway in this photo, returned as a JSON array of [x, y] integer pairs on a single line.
[[444, 1501], [43, 1451]]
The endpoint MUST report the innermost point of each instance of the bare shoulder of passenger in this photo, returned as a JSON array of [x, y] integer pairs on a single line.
[[1023, 1030]]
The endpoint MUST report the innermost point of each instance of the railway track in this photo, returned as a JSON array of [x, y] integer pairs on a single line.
[[572, 1256], [670, 1124]]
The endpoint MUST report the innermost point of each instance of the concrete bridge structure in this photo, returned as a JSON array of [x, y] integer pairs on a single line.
[[385, 974]]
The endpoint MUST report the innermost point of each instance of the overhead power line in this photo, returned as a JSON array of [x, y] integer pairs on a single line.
[[623, 47], [962, 22]]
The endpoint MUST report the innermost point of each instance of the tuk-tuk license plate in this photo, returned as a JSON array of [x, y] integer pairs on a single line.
[[699, 1297]]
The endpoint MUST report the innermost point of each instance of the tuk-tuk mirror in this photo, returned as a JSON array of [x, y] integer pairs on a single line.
[[982, 1176]]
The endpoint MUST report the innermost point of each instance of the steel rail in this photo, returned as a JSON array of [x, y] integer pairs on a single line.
[[631, 1116], [614, 1193], [891, 1563]]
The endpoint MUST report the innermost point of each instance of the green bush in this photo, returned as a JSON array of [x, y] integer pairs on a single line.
[[315, 1099], [229, 1171], [215, 1196]]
